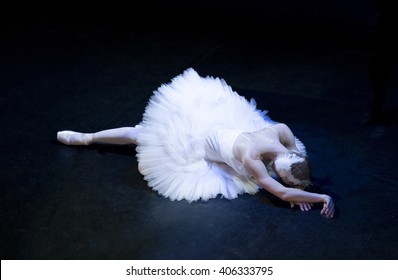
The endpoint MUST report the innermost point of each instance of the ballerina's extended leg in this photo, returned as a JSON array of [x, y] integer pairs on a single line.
[[119, 136]]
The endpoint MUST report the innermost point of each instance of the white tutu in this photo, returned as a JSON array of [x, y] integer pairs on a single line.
[[177, 120]]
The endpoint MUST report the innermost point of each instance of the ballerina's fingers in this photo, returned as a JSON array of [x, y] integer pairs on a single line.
[[304, 206], [328, 207], [309, 206], [328, 211]]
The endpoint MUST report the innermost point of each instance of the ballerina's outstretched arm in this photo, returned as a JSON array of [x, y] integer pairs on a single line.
[[118, 136], [296, 196]]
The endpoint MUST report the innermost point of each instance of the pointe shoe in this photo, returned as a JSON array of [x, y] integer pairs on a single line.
[[69, 137]]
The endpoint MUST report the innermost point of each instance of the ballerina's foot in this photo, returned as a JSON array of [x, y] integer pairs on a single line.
[[68, 137]]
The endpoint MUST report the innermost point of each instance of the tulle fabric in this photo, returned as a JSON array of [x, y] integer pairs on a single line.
[[178, 119]]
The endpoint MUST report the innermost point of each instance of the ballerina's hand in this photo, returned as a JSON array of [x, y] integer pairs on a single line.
[[328, 207], [304, 206]]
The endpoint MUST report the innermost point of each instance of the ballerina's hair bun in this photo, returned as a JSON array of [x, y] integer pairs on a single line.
[[294, 169]]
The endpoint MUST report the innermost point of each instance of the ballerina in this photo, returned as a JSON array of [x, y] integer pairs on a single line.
[[199, 139]]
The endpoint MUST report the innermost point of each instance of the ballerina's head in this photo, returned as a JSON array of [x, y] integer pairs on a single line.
[[294, 169]]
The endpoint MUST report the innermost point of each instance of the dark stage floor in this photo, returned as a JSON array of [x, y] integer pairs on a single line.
[[97, 72]]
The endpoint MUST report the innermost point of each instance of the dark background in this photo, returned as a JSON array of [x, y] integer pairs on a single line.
[[93, 67]]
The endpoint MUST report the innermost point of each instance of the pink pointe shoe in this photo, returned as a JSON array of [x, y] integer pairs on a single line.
[[69, 137]]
